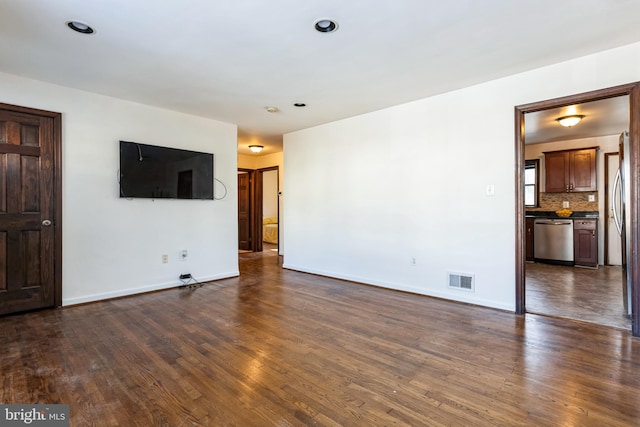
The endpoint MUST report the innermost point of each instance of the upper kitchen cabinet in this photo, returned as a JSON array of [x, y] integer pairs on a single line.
[[570, 170]]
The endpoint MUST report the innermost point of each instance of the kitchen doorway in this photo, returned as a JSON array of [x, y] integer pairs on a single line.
[[633, 91]]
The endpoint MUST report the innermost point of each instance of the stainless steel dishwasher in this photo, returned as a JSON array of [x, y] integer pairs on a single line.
[[553, 240]]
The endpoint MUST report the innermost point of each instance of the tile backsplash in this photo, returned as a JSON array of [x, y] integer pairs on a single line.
[[578, 202]]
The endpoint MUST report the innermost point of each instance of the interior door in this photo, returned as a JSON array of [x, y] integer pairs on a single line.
[[30, 245], [244, 211]]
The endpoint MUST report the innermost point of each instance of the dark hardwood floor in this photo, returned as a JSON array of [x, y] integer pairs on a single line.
[[282, 348], [590, 295]]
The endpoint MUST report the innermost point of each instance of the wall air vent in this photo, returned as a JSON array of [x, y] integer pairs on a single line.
[[463, 281]]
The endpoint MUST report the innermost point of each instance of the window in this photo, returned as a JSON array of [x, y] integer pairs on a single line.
[[531, 180]]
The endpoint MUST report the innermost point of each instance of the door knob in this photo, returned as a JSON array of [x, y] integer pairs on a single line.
[[46, 222]]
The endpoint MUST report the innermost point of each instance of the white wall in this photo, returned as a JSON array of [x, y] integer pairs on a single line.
[[114, 246], [260, 162], [366, 195], [246, 161], [270, 194]]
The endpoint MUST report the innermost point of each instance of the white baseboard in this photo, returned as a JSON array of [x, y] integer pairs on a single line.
[[404, 288], [140, 290]]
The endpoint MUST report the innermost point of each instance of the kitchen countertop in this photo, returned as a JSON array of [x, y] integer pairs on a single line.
[[552, 214]]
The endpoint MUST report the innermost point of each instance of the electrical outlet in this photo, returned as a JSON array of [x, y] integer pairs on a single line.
[[413, 261], [165, 259], [592, 197], [565, 204]]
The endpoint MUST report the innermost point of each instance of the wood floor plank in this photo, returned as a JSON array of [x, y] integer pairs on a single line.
[[281, 348], [591, 295]]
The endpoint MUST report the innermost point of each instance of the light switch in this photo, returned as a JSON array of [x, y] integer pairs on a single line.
[[491, 190]]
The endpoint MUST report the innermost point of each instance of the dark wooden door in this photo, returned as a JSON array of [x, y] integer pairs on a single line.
[[244, 211], [29, 209]]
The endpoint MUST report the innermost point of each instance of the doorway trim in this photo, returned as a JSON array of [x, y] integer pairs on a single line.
[[252, 207], [633, 91]]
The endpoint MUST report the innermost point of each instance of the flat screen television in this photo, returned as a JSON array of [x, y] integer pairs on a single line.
[[153, 172]]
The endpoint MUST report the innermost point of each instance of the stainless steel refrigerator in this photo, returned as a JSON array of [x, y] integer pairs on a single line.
[[621, 206]]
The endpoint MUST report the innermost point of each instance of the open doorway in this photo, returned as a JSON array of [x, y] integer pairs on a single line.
[[258, 210], [270, 210], [631, 90]]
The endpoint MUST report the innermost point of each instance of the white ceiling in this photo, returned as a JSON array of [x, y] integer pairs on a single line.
[[228, 60], [601, 118]]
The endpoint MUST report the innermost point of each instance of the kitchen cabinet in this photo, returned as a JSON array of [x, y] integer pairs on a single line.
[[570, 170], [529, 239], [585, 242]]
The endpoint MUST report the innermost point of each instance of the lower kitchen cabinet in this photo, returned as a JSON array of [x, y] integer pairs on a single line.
[[585, 242], [529, 238]]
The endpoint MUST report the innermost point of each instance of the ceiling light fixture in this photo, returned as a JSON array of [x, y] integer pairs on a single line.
[[568, 121], [256, 148], [80, 27], [325, 25], [271, 109]]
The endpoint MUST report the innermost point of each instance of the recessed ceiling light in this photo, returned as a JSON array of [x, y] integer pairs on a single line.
[[325, 25], [299, 104], [80, 27]]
